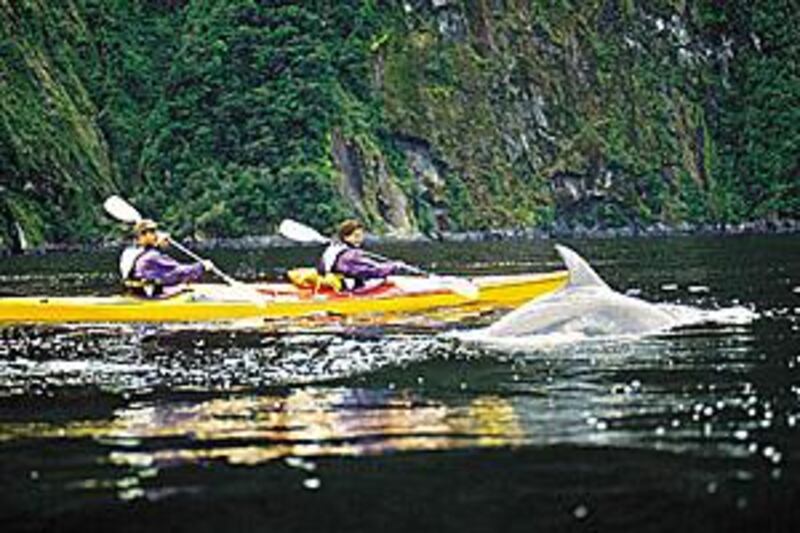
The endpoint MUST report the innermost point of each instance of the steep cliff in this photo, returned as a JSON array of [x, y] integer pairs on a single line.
[[224, 117], [53, 155]]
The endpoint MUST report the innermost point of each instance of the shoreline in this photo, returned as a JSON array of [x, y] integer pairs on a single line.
[[557, 231]]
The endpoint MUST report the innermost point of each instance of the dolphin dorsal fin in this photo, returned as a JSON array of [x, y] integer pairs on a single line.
[[580, 273]]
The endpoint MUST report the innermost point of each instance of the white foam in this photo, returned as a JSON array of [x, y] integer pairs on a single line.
[[64, 367], [545, 342], [695, 289], [59, 366], [727, 316]]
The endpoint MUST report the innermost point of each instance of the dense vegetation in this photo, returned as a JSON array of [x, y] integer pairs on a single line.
[[223, 117]]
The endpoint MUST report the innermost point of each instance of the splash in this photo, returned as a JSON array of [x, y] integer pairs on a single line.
[[688, 316], [41, 361]]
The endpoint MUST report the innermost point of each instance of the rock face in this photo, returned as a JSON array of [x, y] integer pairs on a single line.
[[367, 186], [349, 161], [53, 154], [547, 111]]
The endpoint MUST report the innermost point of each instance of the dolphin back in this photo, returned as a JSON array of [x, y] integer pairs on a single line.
[[580, 273], [587, 305]]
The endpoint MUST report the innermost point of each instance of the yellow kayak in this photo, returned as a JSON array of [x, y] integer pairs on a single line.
[[215, 303]]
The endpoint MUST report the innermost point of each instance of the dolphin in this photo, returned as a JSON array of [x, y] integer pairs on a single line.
[[586, 306]]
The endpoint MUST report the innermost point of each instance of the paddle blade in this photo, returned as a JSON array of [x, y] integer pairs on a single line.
[[295, 231], [121, 210]]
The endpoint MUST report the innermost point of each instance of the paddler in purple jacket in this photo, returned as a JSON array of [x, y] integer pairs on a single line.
[[148, 271], [345, 257]]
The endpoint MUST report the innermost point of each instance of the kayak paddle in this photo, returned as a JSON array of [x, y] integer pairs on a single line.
[[120, 209], [299, 232], [295, 231]]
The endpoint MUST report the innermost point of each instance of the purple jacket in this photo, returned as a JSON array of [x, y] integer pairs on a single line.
[[354, 263], [154, 265]]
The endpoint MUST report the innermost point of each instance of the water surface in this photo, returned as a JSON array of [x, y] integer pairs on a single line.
[[372, 426]]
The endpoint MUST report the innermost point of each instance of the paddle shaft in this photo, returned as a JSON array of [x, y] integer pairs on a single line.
[[378, 257], [460, 286], [463, 287], [250, 293], [410, 268], [196, 257]]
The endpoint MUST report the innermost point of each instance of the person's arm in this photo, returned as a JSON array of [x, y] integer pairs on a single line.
[[167, 271], [353, 263]]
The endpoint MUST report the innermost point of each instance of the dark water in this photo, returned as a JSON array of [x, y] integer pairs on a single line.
[[364, 428]]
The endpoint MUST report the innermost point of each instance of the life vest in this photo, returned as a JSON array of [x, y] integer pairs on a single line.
[[310, 278], [331, 255], [328, 264], [127, 268], [127, 261]]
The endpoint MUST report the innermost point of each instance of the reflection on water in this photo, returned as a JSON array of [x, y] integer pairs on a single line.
[[299, 426], [303, 423]]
